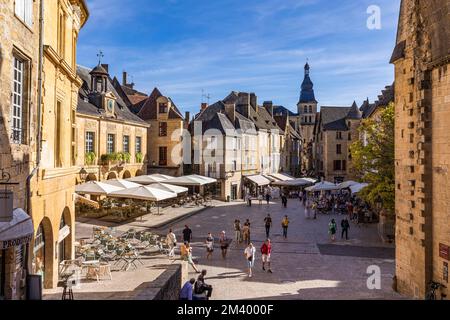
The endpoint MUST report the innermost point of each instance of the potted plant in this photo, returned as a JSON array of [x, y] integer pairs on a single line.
[[139, 157], [90, 158]]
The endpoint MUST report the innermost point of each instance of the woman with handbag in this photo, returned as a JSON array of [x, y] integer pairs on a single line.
[[224, 244], [250, 253]]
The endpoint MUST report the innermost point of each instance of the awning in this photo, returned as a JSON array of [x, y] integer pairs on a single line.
[[281, 177], [124, 184], [16, 232], [169, 188], [347, 184], [323, 186], [259, 180], [144, 193], [356, 188], [149, 179]]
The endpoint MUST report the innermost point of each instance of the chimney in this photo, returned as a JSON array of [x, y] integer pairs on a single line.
[[187, 119], [230, 111], [268, 105], [254, 101], [204, 106], [106, 67], [124, 78]]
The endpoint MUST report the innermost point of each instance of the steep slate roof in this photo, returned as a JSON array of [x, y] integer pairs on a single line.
[[147, 109], [85, 107], [387, 96], [208, 116], [282, 122], [129, 95], [280, 110], [354, 112], [333, 118]]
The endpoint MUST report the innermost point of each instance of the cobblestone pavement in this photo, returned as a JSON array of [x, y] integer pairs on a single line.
[[306, 265]]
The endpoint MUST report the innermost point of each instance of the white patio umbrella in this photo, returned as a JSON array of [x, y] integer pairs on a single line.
[[347, 184], [124, 184], [356, 188], [145, 193], [149, 179], [169, 188], [322, 186], [96, 188], [192, 180]]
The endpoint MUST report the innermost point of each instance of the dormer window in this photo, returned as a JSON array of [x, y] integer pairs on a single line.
[[163, 108]]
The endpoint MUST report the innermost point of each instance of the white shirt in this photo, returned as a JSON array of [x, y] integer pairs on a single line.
[[171, 239], [250, 251]]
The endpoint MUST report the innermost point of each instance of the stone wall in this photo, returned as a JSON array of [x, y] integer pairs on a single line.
[[422, 108]]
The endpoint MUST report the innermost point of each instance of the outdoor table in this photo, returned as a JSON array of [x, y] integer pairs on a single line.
[[100, 269]]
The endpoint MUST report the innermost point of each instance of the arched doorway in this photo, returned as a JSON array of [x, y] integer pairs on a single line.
[[139, 173], [126, 175], [43, 252], [112, 176], [65, 236]]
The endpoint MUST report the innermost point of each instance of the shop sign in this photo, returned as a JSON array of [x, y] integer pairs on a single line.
[[63, 233], [444, 251], [15, 242]]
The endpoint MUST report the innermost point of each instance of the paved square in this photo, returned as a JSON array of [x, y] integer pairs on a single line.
[[306, 265]]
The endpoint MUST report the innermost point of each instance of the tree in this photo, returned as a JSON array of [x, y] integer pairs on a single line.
[[374, 158]]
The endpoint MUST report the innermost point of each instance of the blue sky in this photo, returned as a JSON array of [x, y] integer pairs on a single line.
[[261, 46]]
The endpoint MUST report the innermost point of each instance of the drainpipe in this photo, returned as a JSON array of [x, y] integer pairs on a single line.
[[39, 116]]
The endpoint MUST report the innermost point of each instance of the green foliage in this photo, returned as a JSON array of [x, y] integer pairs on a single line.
[[126, 157], [139, 157], [116, 157], [90, 158], [374, 160]]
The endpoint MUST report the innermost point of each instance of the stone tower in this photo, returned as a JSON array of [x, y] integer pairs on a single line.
[[307, 110]]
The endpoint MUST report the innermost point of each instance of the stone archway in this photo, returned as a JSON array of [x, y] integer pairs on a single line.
[[65, 237], [126, 175], [112, 176], [139, 173], [43, 252]]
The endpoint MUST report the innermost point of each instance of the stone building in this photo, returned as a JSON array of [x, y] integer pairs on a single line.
[[127, 92], [111, 140], [422, 103], [228, 143], [19, 60], [165, 154], [335, 131], [52, 201], [290, 146]]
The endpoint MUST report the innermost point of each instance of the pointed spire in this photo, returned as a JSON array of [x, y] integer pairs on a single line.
[[354, 112], [307, 92]]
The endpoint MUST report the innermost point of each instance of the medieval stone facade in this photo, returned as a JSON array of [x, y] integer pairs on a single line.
[[422, 102]]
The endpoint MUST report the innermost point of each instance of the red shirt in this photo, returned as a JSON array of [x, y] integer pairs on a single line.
[[266, 249]]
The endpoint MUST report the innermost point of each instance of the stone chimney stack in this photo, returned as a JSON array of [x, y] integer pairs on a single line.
[[204, 106], [187, 119], [230, 111], [124, 78], [268, 105], [254, 101]]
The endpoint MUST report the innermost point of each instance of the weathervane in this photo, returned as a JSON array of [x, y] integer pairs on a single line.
[[100, 55], [207, 96]]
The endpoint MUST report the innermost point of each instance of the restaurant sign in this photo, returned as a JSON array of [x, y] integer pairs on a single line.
[[444, 251], [15, 242]]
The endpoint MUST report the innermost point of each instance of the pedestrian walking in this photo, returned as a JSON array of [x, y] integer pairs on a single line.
[[187, 234], [332, 229], [268, 198], [171, 241], [209, 246], [250, 255], [314, 209], [186, 255], [268, 224], [285, 226], [246, 232], [260, 199], [266, 251], [345, 227], [284, 200], [237, 231], [224, 244]]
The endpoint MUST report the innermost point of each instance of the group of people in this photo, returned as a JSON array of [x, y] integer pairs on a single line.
[[250, 256], [249, 199], [332, 229], [196, 290], [242, 232]]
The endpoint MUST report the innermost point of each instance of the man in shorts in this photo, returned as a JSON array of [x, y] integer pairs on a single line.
[[266, 251]]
